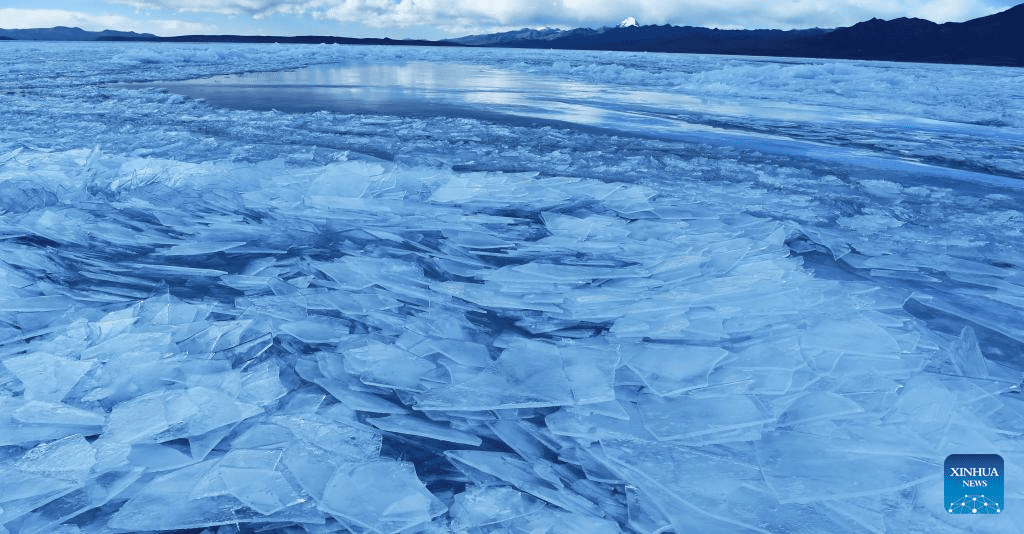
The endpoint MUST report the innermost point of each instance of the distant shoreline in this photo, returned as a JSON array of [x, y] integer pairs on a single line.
[[271, 39], [995, 40]]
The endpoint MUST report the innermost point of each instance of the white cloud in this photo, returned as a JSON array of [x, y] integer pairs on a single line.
[[12, 18], [948, 10], [231, 7], [178, 27], [46, 18]]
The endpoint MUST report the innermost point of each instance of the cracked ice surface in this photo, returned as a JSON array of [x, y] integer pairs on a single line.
[[227, 319]]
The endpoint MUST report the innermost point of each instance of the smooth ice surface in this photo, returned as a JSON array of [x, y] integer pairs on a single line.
[[392, 289]]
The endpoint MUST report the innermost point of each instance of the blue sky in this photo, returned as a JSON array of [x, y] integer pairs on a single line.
[[438, 19]]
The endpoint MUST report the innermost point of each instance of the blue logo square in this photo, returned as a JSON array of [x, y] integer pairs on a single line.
[[974, 483]]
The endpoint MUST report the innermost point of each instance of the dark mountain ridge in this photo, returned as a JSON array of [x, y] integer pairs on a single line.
[[992, 40], [668, 38], [64, 33], [299, 39]]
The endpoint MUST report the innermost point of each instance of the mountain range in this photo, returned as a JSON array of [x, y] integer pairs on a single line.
[[64, 33], [993, 40]]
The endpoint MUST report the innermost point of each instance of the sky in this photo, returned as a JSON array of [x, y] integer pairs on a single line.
[[440, 19]]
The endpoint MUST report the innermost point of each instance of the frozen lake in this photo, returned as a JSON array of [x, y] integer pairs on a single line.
[[424, 89], [317, 288]]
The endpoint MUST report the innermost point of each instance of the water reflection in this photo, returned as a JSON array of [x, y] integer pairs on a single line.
[[439, 89], [346, 87], [411, 89], [444, 89], [426, 88]]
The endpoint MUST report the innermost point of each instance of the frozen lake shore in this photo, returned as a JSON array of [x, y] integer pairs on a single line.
[[585, 291]]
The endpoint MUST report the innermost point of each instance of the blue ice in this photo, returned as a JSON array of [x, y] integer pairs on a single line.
[[546, 291]]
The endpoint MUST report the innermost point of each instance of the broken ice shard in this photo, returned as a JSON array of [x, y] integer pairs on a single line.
[[47, 377], [532, 374], [413, 426], [383, 495], [174, 413], [166, 503]]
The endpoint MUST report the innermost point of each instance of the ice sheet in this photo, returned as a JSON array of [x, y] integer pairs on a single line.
[[557, 314]]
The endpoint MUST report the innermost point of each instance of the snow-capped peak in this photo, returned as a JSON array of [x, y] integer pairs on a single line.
[[628, 22]]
